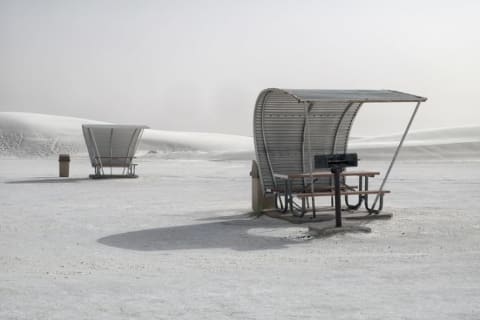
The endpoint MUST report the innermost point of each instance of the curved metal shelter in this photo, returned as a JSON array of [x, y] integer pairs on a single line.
[[292, 126], [111, 146]]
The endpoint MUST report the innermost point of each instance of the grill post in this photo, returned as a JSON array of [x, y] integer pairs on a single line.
[[336, 163], [336, 170]]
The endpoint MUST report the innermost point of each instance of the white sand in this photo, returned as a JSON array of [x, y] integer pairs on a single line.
[[177, 243]]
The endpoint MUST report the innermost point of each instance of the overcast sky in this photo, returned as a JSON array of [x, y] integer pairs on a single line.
[[199, 65]]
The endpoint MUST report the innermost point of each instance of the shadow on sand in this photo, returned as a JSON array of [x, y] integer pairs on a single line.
[[47, 180], [233, 234]]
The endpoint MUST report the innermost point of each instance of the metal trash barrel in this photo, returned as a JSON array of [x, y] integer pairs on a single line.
[[64, 165]]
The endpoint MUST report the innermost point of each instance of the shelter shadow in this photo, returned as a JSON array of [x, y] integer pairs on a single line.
[[225, 234]]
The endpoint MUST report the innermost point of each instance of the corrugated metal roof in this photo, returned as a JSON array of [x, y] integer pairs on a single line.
[[292, 126], [112, 145], [306, 95]]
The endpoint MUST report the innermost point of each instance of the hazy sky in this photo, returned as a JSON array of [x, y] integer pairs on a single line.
[[199, 65]]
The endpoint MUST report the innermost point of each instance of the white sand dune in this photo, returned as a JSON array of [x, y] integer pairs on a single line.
[[175, 144], [40, 135], [460, 142], [34, 135]]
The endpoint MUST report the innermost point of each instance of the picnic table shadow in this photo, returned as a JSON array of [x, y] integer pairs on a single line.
[[47, 180], [233, 234]]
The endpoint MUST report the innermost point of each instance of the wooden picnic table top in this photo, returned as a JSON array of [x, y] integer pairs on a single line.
[[319, 174]]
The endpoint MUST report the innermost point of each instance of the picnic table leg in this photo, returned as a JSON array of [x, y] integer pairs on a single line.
[[285, 208], [314, 213], [278, 199], [360, 197], [365, 197], [289, 192], [331, 198], [291, 204], [314, 210]]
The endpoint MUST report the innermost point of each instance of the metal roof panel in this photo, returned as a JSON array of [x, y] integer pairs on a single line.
[[309, 95]]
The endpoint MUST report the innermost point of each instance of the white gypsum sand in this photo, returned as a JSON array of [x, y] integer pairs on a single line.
[[178, 243]]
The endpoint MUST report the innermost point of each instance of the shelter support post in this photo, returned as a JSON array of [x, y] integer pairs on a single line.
[[307, 109], [98, 164], [395, 155], [338, 204], [111, 150]]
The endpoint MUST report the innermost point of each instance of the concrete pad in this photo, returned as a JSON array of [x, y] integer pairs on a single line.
[[327, 229], [307, 218]]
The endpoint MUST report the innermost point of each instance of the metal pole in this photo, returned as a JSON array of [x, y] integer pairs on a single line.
[[111, 151], [338, 204], [312, 187], [98, 157], [128, 156], [396, 154]]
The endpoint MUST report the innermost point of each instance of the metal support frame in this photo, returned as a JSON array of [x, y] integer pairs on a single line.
[[265, 141], [348, 133], [340, 122], [380, 195], [128, 160], [307, 109], [285, 201], [111, 151], [289, 203], [98, 169], [304, 132]]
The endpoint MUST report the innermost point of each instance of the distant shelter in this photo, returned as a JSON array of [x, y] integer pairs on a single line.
[[112, 146]]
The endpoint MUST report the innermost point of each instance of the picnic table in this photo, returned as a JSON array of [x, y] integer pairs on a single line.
[[311, 191]]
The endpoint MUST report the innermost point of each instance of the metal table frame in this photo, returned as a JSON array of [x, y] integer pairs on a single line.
[[289, 194]]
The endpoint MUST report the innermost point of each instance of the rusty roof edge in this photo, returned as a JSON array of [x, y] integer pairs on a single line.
[[420, 98]]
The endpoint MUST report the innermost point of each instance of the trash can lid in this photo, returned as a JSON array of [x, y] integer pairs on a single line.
[[64, 157]]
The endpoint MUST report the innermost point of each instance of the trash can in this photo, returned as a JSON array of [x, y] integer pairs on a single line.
[[64, 165], [260, 201]]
